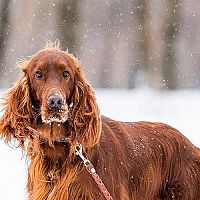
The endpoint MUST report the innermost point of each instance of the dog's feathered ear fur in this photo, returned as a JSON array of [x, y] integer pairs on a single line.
[[17, 113], [84, 115]]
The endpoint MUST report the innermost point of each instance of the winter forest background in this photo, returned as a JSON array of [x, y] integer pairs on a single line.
[[141, 56], [122, 43]]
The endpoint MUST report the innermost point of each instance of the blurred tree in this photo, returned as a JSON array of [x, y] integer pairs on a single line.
[[111, 43], [68, 22], [170, 25], [4, 14], [158, 62], [143, 32], [149, 43], [155, 41], [133, 64]]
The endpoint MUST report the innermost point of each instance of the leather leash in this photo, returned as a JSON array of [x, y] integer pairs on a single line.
[[90, 168]]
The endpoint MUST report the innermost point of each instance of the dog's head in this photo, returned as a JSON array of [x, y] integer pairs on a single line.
[[51, 73], [52, 89]]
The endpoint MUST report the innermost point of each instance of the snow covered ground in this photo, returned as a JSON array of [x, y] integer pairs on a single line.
[[180, 109]]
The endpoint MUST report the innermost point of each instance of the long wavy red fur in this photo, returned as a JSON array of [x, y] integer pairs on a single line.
[[136, 161]]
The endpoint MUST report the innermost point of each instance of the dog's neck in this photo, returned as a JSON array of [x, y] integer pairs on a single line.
[[54, 147], [52, 142]]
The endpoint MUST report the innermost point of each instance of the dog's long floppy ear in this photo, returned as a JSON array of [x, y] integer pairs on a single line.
[[17, 113], [84, 114]]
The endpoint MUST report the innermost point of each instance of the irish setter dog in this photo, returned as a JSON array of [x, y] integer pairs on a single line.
[[52, 108]]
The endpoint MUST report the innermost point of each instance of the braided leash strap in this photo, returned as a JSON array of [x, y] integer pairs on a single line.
[[90, 168], [102, 187]]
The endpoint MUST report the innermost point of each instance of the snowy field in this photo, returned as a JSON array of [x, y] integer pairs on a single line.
[[180, 109]]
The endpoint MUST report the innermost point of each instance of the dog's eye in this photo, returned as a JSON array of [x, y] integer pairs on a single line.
[[65, 74], [38, 75]]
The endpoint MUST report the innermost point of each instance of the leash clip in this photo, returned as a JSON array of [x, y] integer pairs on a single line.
[[79, 152]]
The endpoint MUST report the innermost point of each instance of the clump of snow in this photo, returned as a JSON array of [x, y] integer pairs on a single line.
[[60, 117]]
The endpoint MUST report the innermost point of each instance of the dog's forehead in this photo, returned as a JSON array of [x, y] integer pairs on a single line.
[[51, 57]]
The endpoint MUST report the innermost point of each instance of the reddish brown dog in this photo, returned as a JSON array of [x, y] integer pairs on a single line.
[[53, 107]]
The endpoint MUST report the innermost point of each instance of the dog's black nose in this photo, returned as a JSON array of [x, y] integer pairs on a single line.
[[55, 101]]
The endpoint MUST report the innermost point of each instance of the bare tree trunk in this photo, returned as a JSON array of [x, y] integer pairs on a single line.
[[4, 13], [170, 35], [155, 40], [68, 23], [149, 43], [143, 32]]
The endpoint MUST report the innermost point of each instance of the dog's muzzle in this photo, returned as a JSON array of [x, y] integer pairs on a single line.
[[57, 109]]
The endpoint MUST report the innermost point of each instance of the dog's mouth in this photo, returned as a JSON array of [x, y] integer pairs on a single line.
[[55, 115]]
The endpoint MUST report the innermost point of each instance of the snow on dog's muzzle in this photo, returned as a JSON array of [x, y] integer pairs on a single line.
[[56, 109]]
